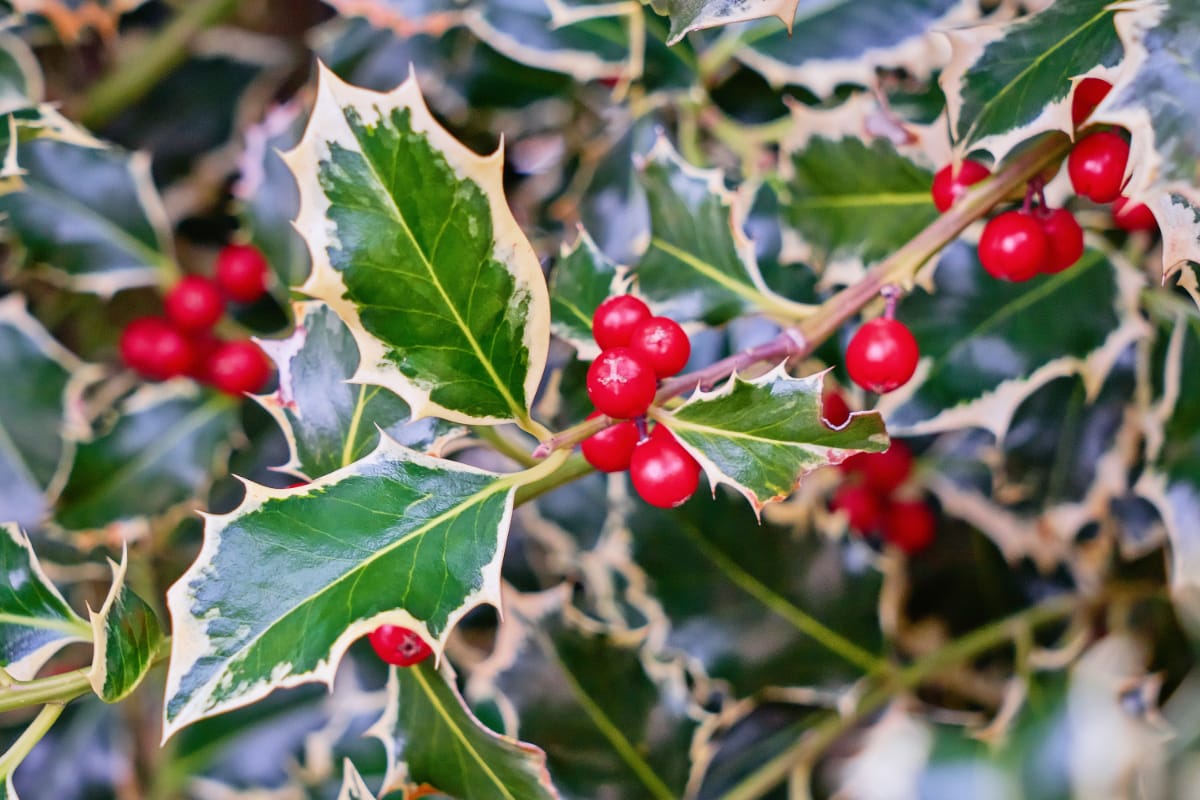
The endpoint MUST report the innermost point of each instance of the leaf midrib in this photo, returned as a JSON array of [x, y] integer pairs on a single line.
[[79, 629], [864, 200], [753, 296]]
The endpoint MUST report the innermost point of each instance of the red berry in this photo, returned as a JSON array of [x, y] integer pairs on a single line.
[[663, 473], [620, 384], [238, 367], [909, 525], [882, 473], [1088, 94], [1013, 246], [1097, 166], [948, 185], [662, 344], [398, 645], [154, 349], [242, 272], [297, 484], [834, 411], [611, 449], [194, 304], [882, 355], [860, 506], [615, 319], [1064, 240], [1133, 217]]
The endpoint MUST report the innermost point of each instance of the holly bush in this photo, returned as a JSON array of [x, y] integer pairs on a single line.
[[878, 323]]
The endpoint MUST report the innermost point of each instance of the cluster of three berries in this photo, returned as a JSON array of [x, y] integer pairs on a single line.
[[868, 498]]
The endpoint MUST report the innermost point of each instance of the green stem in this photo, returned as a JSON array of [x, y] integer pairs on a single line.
[[140, 71], [26, 741], [505, 446], [571, 469], [54, 689]]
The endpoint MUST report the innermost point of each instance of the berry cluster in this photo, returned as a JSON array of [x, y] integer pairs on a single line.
[[637, 350], [182, 342], [398, 645]]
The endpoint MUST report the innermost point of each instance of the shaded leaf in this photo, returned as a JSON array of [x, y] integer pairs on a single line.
[[127, 635], [21, 82], [762, 436], [583, 278], [753, 737], [433, 739], [35, 620], [443, 293], [693, 15], [353, 786]]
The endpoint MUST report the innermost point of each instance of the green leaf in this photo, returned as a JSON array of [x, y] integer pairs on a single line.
[[88, 213], [853, 201], [286, 581], [353, 786], [1009, 81], [35, 620], [847, 41], [36, 412], [127, 635], [749, 736], [328, 422], [554, 682], [762, 436], [162, 451], [433, 739], [986, 344], [21, 83], [414, 246], [693, 15], [699, 264], [583, 278]]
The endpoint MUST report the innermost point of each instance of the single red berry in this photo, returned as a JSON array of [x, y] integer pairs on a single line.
[[621, 384], [611, 449], [1097, 166], [238, 367], [194, 304], [909, 525], [834, 410], [150, 346], [398, 645], [859, 504], [882, 355], [662, 344], [1064, 240], [615, 319], [949, 185], [882, 473], [297, 484], [242, 272], [663, 473], [1013, 246], [1088, 94], [1133, 217]]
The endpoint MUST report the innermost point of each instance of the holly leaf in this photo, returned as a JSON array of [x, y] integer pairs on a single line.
[[1008, 81], [986, 345], [415, 248], [434, 740], [330, 423], [353, 786], [854, 202], [21, 83], [583, 278], [762, 436], [88, 213], [699, 264], [694, 15], [406, 17], [127, 636], [161, 452], [847, 43], [287, 580], [71, 19], [35, 620], [552, 681]]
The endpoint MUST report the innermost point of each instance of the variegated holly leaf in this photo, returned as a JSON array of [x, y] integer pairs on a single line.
[[552, 681], [756, 604], [582, 279], [268, 200], [353, 786], [694, 15], [834, 43], [8, 791], [330, 423], [406, 17], [856, 203], [1009, 81], [39, 412], [88, 213], [286, 581], [699, 263], [986, 345], [35, 620], [434, 740], [71, 19], [762, 436], [415, 248], [127, 636], [21, 83], [161, 451]]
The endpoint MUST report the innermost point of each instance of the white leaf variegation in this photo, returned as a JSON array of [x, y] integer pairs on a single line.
[[126, 636], [353, 786]]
